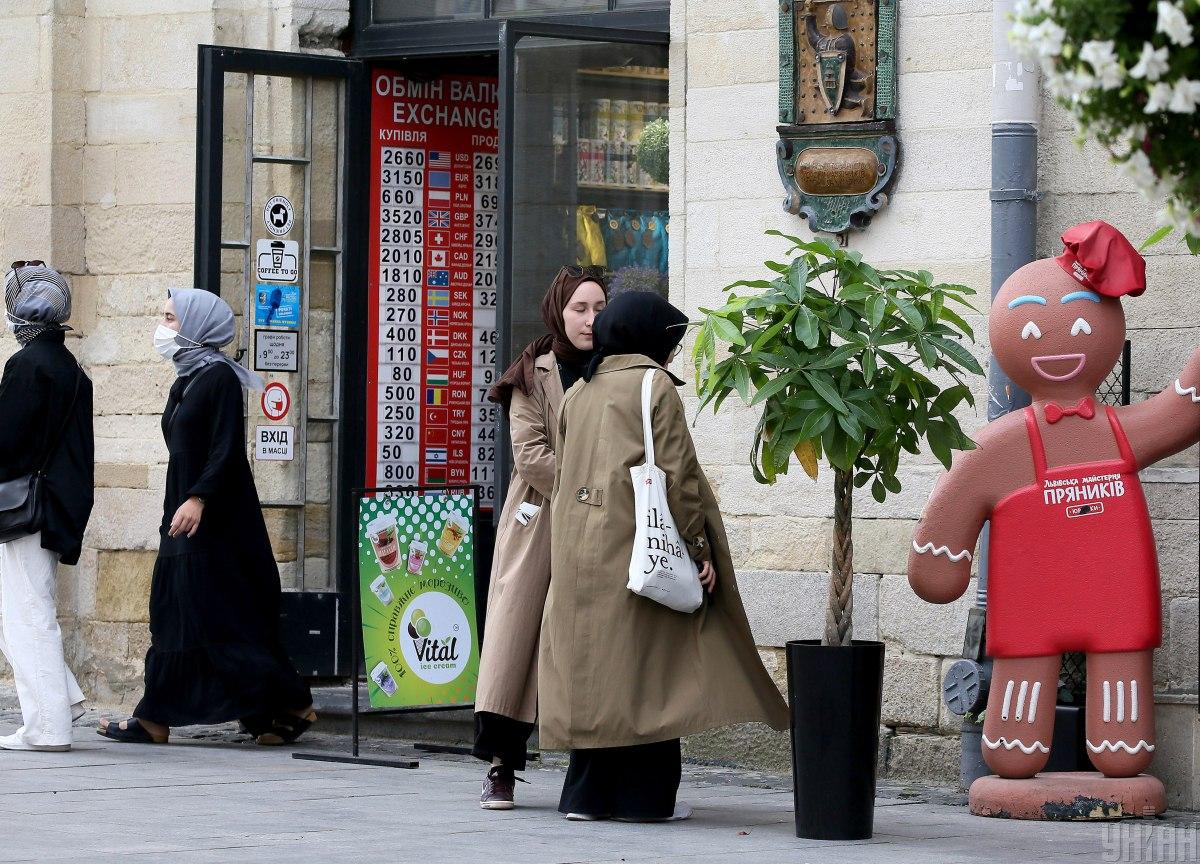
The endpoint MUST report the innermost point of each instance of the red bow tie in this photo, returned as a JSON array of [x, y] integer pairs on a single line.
[[1084, 408]]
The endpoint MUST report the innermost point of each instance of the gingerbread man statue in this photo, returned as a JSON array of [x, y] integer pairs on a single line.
[[1071, 557]]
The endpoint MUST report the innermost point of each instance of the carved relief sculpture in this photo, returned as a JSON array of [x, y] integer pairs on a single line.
[[837, 149], [1071, 553]]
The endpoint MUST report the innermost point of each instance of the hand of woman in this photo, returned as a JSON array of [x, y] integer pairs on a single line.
[[187, 518], [708, 577]]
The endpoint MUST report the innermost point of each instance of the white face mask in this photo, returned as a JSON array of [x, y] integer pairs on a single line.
[[164, 342]]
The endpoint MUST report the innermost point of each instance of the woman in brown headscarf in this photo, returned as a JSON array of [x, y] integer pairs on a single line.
[[531, 391]]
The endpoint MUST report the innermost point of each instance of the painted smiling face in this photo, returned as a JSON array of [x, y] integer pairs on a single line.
[[1053, 337]]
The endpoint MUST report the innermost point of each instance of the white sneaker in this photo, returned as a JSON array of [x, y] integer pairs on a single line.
[[585, 817], [16, 741], [682, 812]]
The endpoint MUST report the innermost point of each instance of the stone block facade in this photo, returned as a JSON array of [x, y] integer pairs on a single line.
[[98, 107]]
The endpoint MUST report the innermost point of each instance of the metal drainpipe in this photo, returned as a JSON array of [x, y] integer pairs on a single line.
[[1015, 114]]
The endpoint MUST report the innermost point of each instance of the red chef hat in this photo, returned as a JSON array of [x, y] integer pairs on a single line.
[[1099, 257]]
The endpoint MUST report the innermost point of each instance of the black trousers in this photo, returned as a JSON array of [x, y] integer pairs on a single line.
[[639, 782], [503, 738]]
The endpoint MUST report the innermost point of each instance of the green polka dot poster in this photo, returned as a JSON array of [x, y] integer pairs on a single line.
[[416, 568]]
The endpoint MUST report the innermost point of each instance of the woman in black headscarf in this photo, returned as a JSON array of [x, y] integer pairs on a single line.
[[621, 677], [215, 653], [531, 390]]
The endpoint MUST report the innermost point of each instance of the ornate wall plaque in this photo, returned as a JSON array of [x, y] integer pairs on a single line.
[[837, 145]]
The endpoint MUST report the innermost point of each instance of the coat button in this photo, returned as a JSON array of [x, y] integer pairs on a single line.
[[583, 494]]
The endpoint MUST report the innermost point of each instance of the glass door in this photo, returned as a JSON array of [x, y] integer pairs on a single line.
[[583, 168], [273, 237]]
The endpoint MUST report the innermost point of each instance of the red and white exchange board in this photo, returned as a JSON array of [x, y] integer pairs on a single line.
[[432, 292]]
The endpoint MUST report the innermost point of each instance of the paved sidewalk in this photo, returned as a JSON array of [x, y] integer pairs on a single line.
[[210, 796]]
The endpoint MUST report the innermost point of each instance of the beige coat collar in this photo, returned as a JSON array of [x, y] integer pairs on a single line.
[[620, 362]]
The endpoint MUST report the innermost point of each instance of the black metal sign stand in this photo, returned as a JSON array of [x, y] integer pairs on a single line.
[[402, 761]]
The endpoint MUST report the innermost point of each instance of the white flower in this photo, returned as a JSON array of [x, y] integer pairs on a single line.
[[1185, 97], [1047, 38], [1137, 168], [1174, 23], [1160, 95], [1177, 216], [1152, 64], [1127, 140], [1103, 61]]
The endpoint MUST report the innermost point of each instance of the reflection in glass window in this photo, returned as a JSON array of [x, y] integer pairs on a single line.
[[545, 7], [425, 10]]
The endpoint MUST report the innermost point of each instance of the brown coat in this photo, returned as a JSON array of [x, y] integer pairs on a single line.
[[521, 565], [617, 669]]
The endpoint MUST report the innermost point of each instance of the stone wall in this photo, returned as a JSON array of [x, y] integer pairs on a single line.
[[725, 193]]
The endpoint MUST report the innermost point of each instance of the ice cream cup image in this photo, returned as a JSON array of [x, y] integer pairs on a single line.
[[382, 676], [454, 531], [417, 550], [383, 590], [382, 532]]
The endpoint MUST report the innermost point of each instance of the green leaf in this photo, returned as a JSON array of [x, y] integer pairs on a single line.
[[825, 388], [726, 330], [772, 331], [837, 357], [957, 353], [851, 427], [1193, 243], [856, 291], [741, 381], [957, 320], [807, 329], [868, 366], [939, 437], [1156, 237], [878, 492], [816, 422], [876, 306], [761, 284], [797, 280], [772, 387], [909, 311]]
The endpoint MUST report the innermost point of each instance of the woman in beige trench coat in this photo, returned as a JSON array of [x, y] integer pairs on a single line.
[[621, 677], [531, 390]]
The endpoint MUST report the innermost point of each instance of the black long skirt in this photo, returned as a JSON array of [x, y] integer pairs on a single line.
[[503, 738], [639, 782], [215, 654]]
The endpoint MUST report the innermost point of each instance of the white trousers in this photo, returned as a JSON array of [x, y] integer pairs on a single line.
[[32, 641]]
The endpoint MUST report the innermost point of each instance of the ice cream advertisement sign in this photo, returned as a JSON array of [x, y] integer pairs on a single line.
[[417, 587]]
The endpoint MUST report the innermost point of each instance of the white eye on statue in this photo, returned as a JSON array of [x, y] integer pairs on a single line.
[[1081, 326], [1031, 329]]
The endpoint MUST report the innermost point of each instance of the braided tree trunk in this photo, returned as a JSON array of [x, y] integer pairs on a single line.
[[841, 577]]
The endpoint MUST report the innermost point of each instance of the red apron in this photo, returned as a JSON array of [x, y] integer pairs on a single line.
[[1071, 559]]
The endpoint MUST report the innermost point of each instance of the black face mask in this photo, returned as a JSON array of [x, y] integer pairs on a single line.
[[640, 322]]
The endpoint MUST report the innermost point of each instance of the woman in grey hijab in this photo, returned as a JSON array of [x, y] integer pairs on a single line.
[[46, 427], [215, 653]]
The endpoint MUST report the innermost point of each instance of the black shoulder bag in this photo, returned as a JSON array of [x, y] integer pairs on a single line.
[[22, 510]]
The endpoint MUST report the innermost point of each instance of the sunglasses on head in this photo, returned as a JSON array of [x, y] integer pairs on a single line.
[[574, 271], [17, 265]]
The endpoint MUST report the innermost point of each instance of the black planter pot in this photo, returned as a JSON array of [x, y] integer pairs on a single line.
[[835, 696]]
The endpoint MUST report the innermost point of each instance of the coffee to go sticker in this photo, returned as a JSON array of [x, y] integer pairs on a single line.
[[277, 350], [274, 443]]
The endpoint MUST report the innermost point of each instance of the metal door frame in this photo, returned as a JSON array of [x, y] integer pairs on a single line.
[[350, 274], [512, 31]]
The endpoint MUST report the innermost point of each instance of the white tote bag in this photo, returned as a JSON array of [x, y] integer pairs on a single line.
[[660, 568]]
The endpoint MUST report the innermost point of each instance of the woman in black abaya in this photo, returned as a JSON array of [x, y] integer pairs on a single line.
[[215, 653]]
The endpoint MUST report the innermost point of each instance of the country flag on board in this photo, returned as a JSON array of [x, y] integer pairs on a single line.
[[435, 195], [435, 455], [435, 475], [436, 436], [437, 258], [439, 278], [437, 379], [437, 338], [435, 417], [439, 179], [437, 318], [439, 159], [439, 218], [435, 396], [437, 297], [437, 356]]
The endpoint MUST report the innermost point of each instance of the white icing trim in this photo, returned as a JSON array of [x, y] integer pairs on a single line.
[[1120, 701], [1133, 706], [1007, 699], [941, 550], [1107, 704], [1037, 688], [1120, 745], [1015, 743], [1186, 391], [1021, 699]]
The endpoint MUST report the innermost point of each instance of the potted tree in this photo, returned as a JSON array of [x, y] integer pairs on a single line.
[[850, 365]]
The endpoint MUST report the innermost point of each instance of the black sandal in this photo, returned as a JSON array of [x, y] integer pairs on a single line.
[[286, 729], [255, 724], [135, 733]]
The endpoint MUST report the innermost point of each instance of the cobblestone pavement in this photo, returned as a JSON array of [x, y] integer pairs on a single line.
[[212, 796]]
